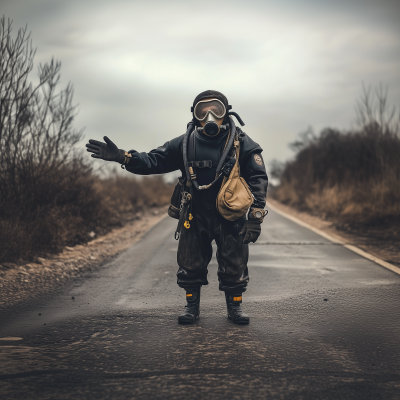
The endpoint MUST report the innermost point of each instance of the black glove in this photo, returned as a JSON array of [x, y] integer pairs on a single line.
[[106, 151], [251, 231]]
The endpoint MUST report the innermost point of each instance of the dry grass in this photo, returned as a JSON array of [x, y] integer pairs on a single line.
[[66, 205], [127, 194]]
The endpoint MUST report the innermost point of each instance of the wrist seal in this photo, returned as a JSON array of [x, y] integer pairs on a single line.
[[257, 214], [124, 158]]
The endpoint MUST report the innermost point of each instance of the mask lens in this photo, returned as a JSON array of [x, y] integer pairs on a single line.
[[214, 106]]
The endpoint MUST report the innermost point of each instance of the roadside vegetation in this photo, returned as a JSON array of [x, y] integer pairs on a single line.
[[49, 196], [349, 177]]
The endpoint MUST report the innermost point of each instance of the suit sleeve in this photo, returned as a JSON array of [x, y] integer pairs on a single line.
[[163, 159], [253, 171]]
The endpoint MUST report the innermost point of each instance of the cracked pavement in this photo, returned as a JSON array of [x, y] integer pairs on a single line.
[[325, 324]]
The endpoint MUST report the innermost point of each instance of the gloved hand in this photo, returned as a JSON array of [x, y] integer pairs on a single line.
[[251, 231], [106, 151]]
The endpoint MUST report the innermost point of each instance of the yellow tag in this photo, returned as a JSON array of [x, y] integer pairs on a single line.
[[190, 217], [186, 225], [237, 298], [189, 295]]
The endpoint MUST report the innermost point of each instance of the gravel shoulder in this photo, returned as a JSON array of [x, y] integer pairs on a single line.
[[379, 242], [22, 283]]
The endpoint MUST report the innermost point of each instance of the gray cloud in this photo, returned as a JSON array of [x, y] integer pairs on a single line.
[[136, 66]]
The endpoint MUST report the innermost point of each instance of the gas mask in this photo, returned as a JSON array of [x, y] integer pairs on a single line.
[[210, 111]]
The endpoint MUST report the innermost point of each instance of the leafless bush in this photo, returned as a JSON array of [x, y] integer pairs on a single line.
[[373, 112], [42, 178], [349, 176], [49, 197], [35, 121]]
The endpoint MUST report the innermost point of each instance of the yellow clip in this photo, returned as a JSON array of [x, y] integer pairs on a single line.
[[190, 217], [186, 225]]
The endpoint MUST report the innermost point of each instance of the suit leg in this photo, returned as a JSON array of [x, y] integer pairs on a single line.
[[232, 256], [194, 252]]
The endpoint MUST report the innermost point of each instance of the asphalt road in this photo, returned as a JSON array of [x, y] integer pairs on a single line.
[[325, 324]]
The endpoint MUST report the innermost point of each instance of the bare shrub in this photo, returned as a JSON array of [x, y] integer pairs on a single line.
[[374, 113], [49, 197], [351, 176], [40, 174]]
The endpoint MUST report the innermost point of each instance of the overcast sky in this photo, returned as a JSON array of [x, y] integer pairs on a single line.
[[284, 65]]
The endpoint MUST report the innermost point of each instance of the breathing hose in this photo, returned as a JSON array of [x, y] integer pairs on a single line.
[[184, 149], [221, 161], [236, 115], [228, 146], [189, 181]]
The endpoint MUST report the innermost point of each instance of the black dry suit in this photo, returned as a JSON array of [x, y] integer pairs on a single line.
[[195, 250]]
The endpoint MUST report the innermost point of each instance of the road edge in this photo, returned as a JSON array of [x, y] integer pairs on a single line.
[[25, 282], [337, 239]]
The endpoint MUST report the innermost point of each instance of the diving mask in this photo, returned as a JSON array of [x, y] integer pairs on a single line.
[[210, 111]]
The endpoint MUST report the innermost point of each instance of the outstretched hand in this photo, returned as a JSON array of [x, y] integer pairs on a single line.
[[106, 151]]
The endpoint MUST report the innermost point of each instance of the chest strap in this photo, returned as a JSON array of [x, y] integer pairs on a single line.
[[201, 164]]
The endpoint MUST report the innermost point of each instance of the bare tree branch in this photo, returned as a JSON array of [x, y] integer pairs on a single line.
[[36, 121]]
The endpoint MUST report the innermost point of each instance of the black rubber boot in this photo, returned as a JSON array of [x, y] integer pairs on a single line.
[[235, 312], [192, 308]]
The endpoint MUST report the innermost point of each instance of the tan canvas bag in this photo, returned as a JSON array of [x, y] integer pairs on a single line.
[[234, 197]]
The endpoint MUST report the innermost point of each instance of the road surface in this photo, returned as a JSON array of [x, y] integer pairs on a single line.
[[325, 324]]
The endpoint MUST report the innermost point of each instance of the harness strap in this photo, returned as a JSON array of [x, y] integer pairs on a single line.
[[201, 164]]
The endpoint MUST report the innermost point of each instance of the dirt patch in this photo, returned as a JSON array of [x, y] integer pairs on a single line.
[[378, 241], [19, 283]]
